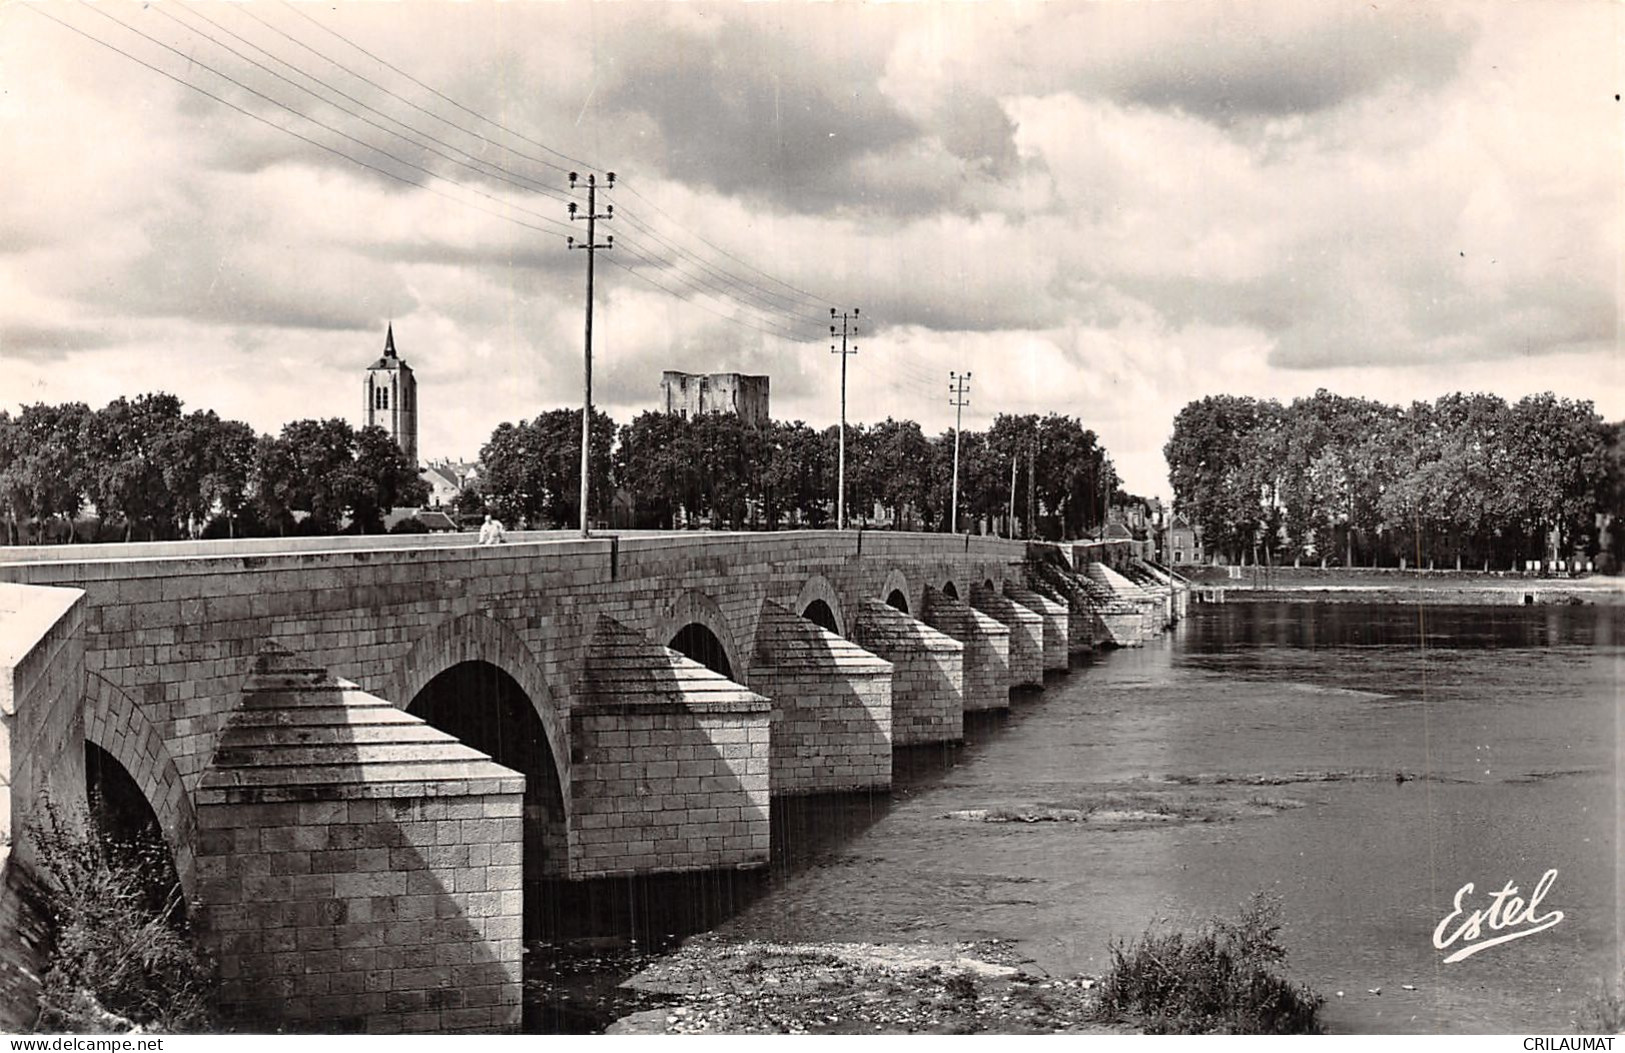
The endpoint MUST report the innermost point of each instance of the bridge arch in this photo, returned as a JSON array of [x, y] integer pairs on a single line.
[[897, 592], [115, 724], [696, 609], [950, 589], [481, 638], [818, 590]]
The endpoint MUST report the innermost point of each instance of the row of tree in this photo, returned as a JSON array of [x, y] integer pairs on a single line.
[[151, 471], [1463, 480], [718, 470]]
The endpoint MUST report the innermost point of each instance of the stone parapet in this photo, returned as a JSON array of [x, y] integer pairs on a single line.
[[832, 706], [1026, 635], [357, 869], [42, 753], [928, 673]]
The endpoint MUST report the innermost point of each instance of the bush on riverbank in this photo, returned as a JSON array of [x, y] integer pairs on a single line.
[[1220, 979], [1604, 1012], [122, 956]]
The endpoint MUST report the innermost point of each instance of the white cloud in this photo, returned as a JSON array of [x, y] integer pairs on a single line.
[[1104, 210]]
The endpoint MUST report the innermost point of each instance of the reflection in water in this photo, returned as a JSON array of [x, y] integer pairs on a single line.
[[1385, 756]]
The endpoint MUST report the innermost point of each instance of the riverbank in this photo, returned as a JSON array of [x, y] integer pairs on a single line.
[[1390, 585], [715, 985]]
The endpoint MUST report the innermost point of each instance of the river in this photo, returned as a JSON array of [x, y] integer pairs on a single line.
[[1500, 720], [1359, 762]]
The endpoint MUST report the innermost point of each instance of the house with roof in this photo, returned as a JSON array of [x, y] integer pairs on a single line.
[[1183, 544]]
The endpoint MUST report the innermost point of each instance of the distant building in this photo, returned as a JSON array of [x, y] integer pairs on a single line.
[[691, 394], [447, 480], [391, 398], [1184, 544]]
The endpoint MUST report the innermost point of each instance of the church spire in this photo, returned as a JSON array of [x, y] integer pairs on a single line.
[[389, 341]]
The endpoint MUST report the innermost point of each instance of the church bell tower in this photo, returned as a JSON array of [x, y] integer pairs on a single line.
[[391, 394]]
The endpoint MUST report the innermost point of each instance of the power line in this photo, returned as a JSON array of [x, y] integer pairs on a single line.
[[732, 288], [767, 300], [438, 94], [704, 287], [747, 292], [811, 298], [663, 287], [807, 297], [386, 173], [321, 124], [484, 169]]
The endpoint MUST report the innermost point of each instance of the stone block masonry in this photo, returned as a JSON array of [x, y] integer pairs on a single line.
[[987, 649], [670, 766], [928, 673], [42, 753], [1054, 616], [832, 706], [1026, 635], [171, 630], [357, 870], [1150, 608], [1063, 587]]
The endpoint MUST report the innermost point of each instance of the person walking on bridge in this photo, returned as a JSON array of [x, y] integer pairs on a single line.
[[491, 532]]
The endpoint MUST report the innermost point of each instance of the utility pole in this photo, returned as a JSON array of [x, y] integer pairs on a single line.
[[591, 245], [840, 484], [1015, 455], [1032, 498], [959, 398]]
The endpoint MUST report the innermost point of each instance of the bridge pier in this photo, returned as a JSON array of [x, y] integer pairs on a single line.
[[670, 763], [657, 764], [357, 869], [832, 706], [1146, 605], [928, 673], [1153, 586], [1026, 634], [1120, 621], [1053, 618], [987, 649], [1063, 587]]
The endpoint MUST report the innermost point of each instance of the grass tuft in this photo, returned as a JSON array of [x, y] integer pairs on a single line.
[[1604, 1012], [122, 956], [1221, 979]]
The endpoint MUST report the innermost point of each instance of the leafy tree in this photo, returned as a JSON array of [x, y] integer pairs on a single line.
[[43, 464], [652, 463], [1210, 461], [799, 475], [533, 468], [136, 451], [228, 465], [306, 469], [892, 469], [380, 478]]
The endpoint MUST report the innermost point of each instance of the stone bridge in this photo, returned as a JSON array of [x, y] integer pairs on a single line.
[[361, 752]]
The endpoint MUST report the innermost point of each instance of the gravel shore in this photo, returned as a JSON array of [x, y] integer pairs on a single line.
[[717, 986]]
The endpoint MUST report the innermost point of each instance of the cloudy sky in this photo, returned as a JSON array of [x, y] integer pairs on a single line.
[[1101, 209]]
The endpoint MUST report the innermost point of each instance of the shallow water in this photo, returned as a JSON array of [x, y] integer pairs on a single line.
[[1381, 757]]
